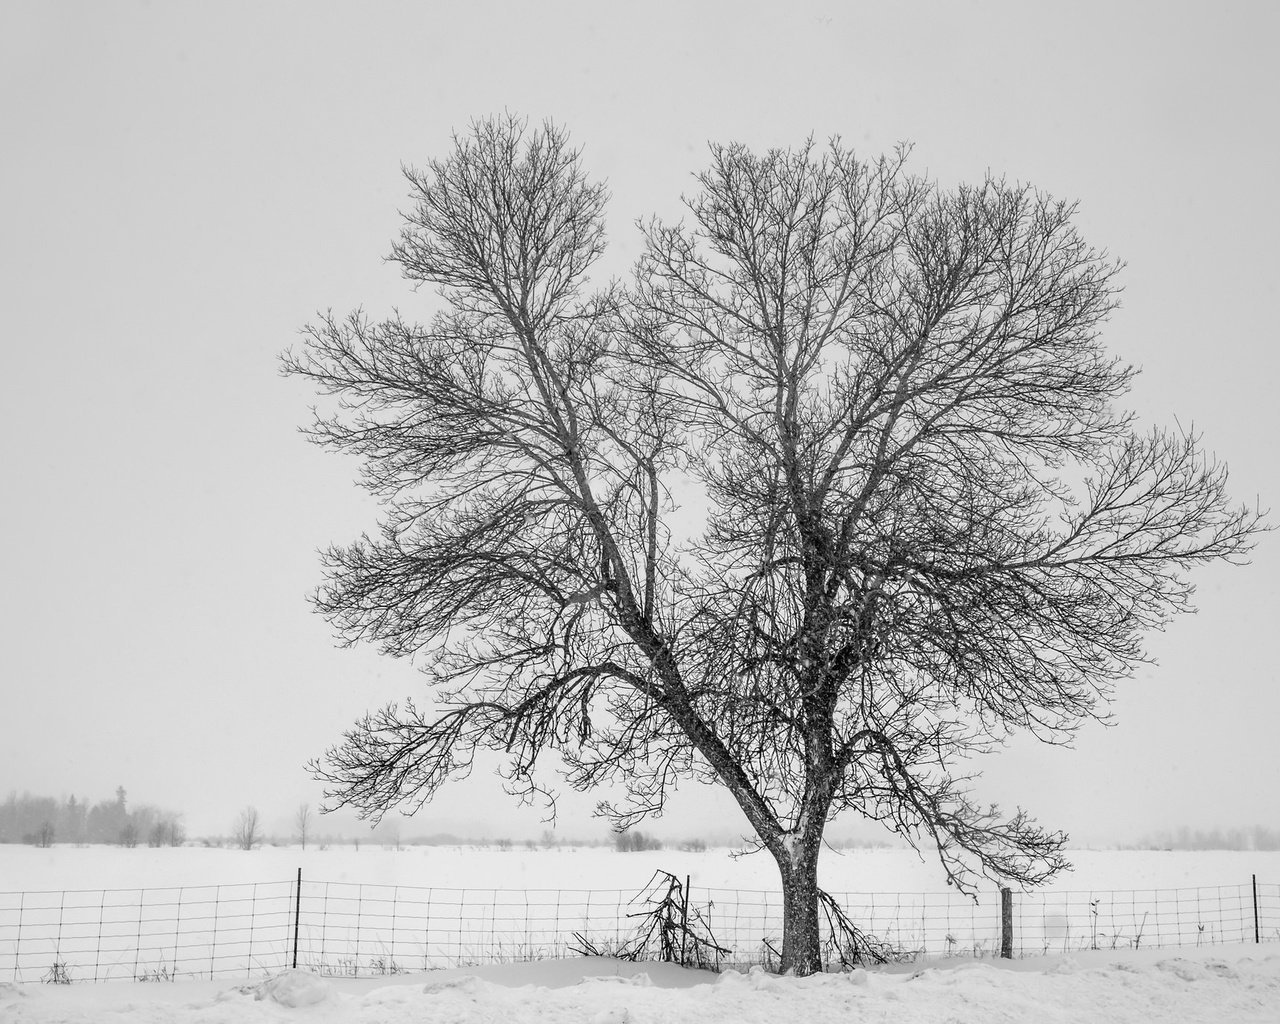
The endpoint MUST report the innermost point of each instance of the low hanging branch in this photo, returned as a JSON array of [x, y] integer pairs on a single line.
[[847, 946]]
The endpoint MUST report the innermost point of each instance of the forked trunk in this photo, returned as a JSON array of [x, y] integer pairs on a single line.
[[801, 941]]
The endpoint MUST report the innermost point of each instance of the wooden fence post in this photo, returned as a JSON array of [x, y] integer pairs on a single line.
[[684, 926], [1256, 934], [1006, 923]]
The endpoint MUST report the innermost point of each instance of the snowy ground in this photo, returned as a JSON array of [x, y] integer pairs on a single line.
[[1237, 984], [1217, 981], [26, 868]]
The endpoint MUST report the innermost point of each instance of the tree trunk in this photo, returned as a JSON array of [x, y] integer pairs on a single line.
[[800, 936]]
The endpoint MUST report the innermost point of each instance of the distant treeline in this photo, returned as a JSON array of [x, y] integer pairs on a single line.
[[1259, 837], [43, 821]]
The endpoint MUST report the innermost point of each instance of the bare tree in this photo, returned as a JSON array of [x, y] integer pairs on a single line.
[[927, 527], [247, 834], [302, 822], [165, 830], [177, 833]]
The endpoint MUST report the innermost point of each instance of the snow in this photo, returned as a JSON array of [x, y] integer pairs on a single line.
[[26, 868], [1238, 983]]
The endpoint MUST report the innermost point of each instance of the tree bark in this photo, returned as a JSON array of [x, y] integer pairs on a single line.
[[801, 939]]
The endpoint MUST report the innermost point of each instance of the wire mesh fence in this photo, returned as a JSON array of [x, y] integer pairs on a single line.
[[352, 929], [146, 934], [1067, 921]]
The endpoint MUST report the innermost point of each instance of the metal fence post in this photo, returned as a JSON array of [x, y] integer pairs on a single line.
[[17, 942], [177, 934], [1006, 923], [137, 942], [213, 943], [297, 914], [97, 951], [57, 949], [253, 913]]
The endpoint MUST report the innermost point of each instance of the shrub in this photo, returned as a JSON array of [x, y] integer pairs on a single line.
[[635, 841]]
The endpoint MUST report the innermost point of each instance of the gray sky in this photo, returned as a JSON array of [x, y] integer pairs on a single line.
[[184, 185]]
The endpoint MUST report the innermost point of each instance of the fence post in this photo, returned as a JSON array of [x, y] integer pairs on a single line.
[[17, 943], [213, 945], [57, 949], [97, 951], [297, 914], [1256, 934], [684, 925], [1006, 923], [253, 913], [177, 933], [137, 953]]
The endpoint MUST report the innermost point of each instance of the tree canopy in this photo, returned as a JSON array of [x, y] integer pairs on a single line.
[[929, 524]]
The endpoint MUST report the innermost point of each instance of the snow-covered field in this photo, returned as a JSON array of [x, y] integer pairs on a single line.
[[1147, 935], [857, 870], [1236, 984]]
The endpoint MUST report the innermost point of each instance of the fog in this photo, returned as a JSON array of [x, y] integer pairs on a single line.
[[185, 186]]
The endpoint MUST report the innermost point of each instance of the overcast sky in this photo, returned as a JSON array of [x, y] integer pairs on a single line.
[[185, 185]]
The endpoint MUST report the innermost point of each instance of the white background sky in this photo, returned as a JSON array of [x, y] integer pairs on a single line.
[[184, 185]]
